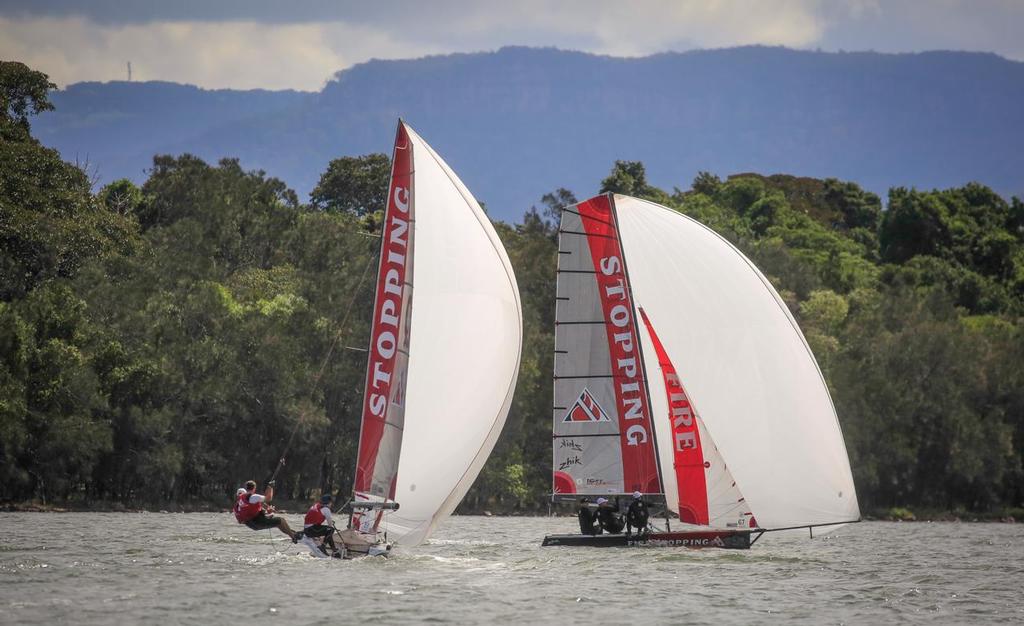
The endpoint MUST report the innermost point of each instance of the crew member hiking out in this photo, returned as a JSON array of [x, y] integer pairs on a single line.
[[320, 523], [252, 510], [637, 515]]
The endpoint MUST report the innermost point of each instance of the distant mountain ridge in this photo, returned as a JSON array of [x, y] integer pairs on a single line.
[[519, 122]]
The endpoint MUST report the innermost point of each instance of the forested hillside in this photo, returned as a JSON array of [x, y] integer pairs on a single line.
[[159, 342], [519, 122]]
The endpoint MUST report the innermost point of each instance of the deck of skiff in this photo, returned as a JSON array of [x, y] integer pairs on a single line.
[[733, 539]]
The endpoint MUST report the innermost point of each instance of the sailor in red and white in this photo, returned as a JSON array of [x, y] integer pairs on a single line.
[[251, 510], [319, 522]]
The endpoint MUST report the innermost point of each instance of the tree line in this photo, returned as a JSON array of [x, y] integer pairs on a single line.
[[160, 343]]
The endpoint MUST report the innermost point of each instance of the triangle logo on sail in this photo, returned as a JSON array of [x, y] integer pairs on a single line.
[[586, 409]]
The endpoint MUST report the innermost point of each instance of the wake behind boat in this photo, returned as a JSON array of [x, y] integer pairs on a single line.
[[443, 358], [763, 452]]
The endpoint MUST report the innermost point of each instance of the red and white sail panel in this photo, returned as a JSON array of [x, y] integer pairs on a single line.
[[384, 401], [704, 493], [603, 437]]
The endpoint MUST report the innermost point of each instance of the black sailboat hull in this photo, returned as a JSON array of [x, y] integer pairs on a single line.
[[730, 539]]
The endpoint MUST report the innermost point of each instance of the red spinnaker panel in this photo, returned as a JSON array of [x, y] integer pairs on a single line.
[[639, 458], [687, 453], [384, 398]]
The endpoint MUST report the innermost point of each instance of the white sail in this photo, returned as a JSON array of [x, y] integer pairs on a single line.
[[463, 357], [744, 363]]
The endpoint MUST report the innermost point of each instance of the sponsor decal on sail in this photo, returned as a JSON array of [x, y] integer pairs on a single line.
[[586, 409], [688, 455], [384, 396]]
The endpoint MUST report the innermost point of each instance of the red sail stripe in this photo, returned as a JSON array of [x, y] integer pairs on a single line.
[[387, 313], [688, 455], [639, 459]]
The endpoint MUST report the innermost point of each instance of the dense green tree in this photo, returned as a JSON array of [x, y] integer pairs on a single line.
[[121, 196], [630, 178], [356, 185], [23, 92], [50, 224], [161, 344], [706, 183]]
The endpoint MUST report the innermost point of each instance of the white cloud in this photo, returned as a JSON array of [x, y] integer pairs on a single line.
[[625, 28], [247, 54], [209, 54]]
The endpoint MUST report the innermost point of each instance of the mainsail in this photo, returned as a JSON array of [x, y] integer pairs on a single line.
[[766, 444], [603, 437], [444, 356]]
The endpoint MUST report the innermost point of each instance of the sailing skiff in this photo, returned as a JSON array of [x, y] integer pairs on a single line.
[[443, 358], [680, 373]]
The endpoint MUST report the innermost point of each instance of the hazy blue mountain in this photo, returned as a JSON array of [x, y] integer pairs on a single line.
[[117, 127], [519, 122]]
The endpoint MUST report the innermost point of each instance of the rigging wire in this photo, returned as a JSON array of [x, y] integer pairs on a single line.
[[323, 366]]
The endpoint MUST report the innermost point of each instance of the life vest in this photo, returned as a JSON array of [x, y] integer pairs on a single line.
[[245, 510], [314, 516]]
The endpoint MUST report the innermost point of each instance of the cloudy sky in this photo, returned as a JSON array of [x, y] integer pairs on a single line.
[[300, 44]]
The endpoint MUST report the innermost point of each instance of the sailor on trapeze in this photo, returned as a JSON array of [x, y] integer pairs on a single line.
[[252, 510]]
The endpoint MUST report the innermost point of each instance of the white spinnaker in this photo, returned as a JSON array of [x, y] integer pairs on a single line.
[[465, 349], [747, 367]]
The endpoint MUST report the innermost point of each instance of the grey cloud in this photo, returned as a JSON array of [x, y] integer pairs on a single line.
[[221, 43], [264, 11]]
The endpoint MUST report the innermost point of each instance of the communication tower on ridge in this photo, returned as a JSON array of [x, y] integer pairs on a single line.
[[129, 71]]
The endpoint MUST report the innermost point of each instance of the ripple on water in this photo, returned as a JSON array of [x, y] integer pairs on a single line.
[[148, 568]]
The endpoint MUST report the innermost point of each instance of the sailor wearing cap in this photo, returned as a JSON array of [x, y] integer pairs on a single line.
[[609, 516], [637, 515]]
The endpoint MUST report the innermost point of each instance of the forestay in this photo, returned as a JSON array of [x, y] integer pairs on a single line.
[[463, 325]]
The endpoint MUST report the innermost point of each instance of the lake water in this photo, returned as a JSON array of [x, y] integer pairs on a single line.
[[202, 568]]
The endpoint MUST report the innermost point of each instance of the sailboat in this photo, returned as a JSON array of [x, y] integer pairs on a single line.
[[443, 358], [681, 374]]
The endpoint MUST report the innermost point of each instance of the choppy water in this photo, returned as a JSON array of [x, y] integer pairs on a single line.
[[95, 568]]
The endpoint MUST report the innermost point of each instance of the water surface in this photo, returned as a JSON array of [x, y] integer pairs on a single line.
[[203, 568]]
